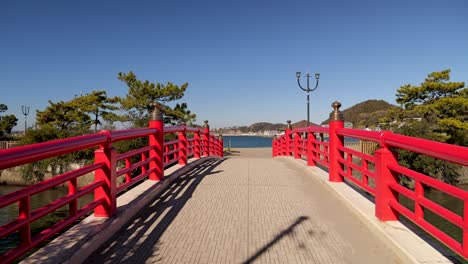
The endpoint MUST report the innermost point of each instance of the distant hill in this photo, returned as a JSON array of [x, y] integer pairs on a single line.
[[260, 127], [366, 113], [361, 115]]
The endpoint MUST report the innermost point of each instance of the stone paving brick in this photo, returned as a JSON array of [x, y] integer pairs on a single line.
[[245, 209]]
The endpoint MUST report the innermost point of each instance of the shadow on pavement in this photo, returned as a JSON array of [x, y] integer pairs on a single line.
[[286, 232], [138, 240]]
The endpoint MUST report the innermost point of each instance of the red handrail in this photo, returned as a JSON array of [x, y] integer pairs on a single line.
[[31, 153], [452, 153], [145, 161], [386, 173]]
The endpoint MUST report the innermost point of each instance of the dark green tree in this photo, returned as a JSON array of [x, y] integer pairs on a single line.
[[141, 94], [99, 106], [67, 117], [437, 109], [179, 115], [62, 120], [7, 122]]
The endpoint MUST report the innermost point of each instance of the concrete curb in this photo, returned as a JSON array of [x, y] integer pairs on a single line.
[[80, 241], [406, 244]]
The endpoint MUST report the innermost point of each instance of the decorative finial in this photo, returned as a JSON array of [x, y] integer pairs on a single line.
[[206, 124], [336, 115], [156, 113]]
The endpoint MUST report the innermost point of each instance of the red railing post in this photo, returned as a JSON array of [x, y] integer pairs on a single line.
[[183, 147], [206, 139], [24, 214], [156, 141], [287, 137], [336, 121], [297, 140], [106, 155], [196, 144], [311, 149], [384, 177]]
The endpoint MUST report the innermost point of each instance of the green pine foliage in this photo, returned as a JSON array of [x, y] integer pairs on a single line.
[[137, 104], [83, 114], [437, 109], [7, 122]]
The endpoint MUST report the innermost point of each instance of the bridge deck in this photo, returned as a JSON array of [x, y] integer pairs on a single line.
[[247, 208]]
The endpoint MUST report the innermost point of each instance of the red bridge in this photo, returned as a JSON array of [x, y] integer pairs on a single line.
[[253, 208]]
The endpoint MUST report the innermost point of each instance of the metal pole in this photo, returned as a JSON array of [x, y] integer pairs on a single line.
[[308, 90], [25, 111], [308, 109]]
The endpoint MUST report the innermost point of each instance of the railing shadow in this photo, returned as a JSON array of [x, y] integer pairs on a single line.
[[286, 232], [139, 240]]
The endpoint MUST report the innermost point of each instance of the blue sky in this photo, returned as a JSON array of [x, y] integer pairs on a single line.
[[239, 57]]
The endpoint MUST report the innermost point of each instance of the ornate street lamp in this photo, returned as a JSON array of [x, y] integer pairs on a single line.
[[308, 90], [25, 111]]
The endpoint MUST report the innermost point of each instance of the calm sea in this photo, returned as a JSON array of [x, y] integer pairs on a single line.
[[247, 142]]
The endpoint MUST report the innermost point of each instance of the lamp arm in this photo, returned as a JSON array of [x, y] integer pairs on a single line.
[[316, 86], [300, 86]]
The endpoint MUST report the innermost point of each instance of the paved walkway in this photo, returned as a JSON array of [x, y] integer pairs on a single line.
[[247, 208]]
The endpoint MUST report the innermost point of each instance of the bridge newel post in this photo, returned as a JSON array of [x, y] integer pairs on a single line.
[[206, 139], [106, 155], [383, 178], [288, 135], [183, 146], [311, 148], [335, 141], [156, 141]]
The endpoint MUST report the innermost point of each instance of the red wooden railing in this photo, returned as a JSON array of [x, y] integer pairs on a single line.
[[152, 160], [380, 173]]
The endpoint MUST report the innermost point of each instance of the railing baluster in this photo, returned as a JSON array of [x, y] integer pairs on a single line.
[[106, 155], [196, 137], [465, 228], [311, 149], [143, 158], [384, 177], [183, 147], [73, 205], [419, 193], [128, 175], [25, 214]]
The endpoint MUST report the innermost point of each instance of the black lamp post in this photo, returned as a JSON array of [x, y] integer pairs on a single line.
[[25, 111], [308, 90]]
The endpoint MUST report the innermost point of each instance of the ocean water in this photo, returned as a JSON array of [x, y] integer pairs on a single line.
[[247, 142]]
